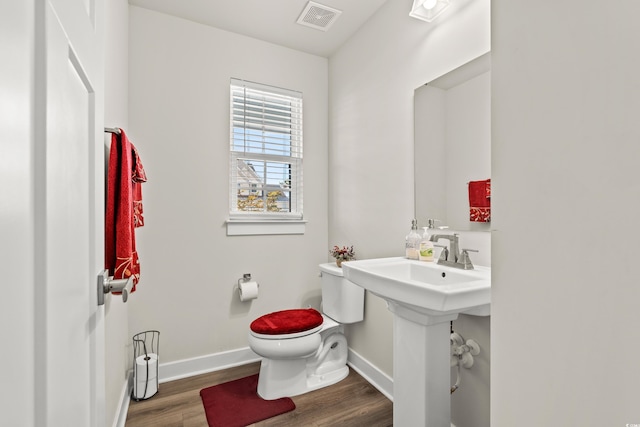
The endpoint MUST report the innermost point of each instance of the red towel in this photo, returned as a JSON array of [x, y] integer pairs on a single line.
[[123, 209], [480, 201], [138, 177]]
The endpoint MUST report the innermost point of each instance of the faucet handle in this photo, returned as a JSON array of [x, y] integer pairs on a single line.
[[465, 260]]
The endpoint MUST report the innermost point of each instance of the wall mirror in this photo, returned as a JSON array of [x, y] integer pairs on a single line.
[[452, 143]]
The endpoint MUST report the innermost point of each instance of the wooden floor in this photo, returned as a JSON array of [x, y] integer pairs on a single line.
[[351, 402]]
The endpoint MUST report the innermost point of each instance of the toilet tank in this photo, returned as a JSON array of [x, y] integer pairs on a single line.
[[342, 300]]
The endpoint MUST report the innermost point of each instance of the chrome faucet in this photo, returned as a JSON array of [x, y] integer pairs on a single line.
[[453, 257], [453, 253]]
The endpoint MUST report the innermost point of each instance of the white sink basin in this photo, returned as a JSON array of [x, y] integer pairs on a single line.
[[424, 287]]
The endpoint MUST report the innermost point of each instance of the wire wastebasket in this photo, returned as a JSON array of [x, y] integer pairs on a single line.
[[146, 358]]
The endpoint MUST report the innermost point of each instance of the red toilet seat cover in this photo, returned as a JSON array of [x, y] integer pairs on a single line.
[[287, 322]]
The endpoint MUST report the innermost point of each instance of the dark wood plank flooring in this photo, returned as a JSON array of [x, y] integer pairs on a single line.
[[351, 402]]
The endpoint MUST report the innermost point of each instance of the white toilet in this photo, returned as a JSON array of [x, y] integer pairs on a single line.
[[303, 350]]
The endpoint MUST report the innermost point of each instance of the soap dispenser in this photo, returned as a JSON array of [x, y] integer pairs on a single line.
[[425, 251], [412, 241]]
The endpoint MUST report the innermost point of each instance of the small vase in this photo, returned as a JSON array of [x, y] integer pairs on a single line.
[[339, 262]]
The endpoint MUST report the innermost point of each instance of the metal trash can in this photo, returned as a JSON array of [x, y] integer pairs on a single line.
[[146, 358]]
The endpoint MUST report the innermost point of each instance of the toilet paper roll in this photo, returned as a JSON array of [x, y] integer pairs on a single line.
[[140, 392], [248, 290], [141, 373]]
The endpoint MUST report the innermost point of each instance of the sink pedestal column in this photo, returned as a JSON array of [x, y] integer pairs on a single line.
[[421, 368]]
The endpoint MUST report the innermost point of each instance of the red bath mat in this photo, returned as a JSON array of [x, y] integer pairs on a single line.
[[237, 404]]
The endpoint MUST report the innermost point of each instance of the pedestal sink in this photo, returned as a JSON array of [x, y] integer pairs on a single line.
[[424, 297]]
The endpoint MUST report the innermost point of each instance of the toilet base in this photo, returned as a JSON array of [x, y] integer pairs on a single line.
[[275, 379], [292, 377], [315, 382]]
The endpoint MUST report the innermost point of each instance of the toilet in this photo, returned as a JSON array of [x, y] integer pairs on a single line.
[[302, 349]]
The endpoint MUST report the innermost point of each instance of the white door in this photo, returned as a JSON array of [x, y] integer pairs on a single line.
[[69, 214]]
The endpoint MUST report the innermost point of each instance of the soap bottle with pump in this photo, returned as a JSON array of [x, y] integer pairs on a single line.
[[425, 249], [412, 241]]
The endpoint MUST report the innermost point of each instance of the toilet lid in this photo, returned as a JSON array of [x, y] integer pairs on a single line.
[[287, 322]]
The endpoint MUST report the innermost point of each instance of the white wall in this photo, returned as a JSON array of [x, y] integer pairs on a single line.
[[566, 170], [373, 78], [17, 395], [116, 114], [179, 75]]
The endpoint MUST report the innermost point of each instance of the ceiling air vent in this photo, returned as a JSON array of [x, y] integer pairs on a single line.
[[318, 16]]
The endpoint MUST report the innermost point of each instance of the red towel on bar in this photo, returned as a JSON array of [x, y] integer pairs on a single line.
[[480, 201], [138, 177], [123, 209]]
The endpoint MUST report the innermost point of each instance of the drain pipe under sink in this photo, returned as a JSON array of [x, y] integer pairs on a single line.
[[462, 354]]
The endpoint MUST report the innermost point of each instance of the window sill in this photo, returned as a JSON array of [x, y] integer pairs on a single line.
[[256, 227]]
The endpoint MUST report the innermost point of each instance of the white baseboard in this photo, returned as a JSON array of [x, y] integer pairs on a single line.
[[179, 369], [375, 377], [123, 408]]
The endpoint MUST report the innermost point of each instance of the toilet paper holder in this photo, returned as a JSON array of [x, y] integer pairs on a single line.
[[146, 359], [246, 277], [246, 288], [108, 284]]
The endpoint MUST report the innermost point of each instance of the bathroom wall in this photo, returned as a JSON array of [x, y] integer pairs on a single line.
[[116, 114], [179, 74], [373, 77], [566, 175]]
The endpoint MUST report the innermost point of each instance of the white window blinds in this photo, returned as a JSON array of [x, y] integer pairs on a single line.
[[265, 151]]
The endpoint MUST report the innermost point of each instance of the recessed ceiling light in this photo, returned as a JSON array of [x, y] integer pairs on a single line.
[[428, 10]]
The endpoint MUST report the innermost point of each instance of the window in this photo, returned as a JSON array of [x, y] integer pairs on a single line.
[[265, 152]]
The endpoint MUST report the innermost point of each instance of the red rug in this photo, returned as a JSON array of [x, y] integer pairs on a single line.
[[237, 404]]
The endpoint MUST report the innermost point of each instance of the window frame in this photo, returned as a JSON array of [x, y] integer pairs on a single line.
[[264, 222]]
